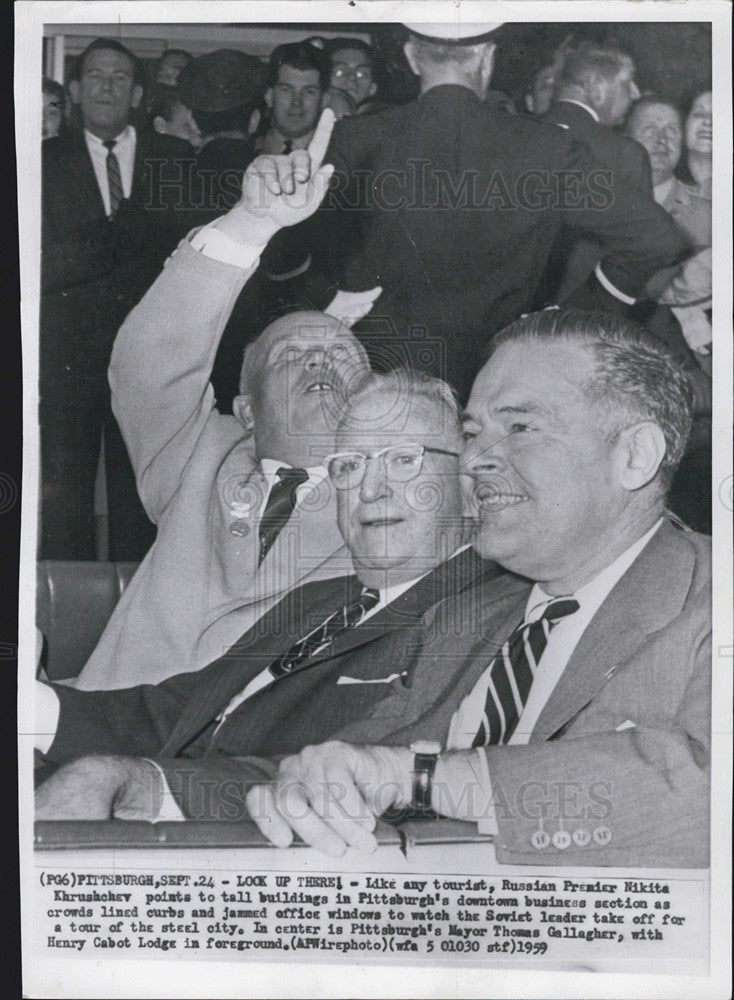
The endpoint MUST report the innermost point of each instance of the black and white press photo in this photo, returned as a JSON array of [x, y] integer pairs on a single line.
[[378, 368]]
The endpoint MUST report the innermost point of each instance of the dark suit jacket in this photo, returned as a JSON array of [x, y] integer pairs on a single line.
[[626, 731], [452, 206], [573, 258], [93, 271], [176, 718]]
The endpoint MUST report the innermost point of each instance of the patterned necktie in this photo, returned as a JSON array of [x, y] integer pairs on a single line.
[[114, 178], [281, 504], [509, 677], [323, 635]]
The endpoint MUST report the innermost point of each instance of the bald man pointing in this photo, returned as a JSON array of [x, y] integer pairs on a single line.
[[242, 503]]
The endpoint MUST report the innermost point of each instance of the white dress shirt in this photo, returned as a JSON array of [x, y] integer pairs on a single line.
[[124, 150], [562, 640]]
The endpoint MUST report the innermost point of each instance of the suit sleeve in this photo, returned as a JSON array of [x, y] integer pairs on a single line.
[[637, 235], [215, 788], [641, 794], [132, 721], [161, 364]]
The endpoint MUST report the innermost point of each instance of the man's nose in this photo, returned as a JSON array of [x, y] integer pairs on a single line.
[[481, 454], [375, 482]]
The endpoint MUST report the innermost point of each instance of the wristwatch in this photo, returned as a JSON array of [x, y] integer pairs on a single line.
[[425, 754]]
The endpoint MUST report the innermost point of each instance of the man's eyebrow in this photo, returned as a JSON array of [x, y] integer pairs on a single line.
[[523, 408]]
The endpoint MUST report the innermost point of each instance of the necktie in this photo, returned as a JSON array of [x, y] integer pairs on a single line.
[[281, 504], [114, 178], [287, 147], [508, 679], [323, 635]]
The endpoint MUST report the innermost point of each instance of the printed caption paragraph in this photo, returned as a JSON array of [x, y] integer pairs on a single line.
[[197, 914]]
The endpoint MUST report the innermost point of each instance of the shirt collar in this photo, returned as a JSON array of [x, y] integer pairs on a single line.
[[390, 594], [661, 191], [316, 473], [570, 100], [592, 594], [126, 136]]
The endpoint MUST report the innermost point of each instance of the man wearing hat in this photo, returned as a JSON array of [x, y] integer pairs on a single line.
[[221, 91], [452, 205]]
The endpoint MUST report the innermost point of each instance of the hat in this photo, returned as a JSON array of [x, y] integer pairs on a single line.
[[454, 33], [222, 80]]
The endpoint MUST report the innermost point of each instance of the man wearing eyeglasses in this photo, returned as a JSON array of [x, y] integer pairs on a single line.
[[353, 68], [321, 659]]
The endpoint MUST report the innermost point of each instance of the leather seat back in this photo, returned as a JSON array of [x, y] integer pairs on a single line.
[[74, 601]]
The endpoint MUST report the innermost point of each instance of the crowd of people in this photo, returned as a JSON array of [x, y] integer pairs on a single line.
[[448, 416]]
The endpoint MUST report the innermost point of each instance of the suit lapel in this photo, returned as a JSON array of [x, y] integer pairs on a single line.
[[661, 576], [449, 577], [88, 197], [272, 636]]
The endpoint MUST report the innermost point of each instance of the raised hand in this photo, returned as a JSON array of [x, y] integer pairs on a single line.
[[280, 191]]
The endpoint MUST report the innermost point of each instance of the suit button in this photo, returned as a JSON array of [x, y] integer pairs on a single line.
[[602, 835], [540, 840], [561, 839], [581, 837]]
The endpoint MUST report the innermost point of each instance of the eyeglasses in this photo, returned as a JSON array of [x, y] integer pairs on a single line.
[[358, 73], [401, 462]]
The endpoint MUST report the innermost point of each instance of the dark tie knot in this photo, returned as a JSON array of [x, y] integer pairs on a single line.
[[561, 608], [292, 476], [370, 597], [109, 144]]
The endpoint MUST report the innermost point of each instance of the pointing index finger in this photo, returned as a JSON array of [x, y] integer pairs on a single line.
[[320, 141]]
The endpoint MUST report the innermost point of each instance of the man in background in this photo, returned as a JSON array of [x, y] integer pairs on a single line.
[[298, 77], [101, 247]]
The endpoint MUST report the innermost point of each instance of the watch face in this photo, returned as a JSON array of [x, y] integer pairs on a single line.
[[425, 747]]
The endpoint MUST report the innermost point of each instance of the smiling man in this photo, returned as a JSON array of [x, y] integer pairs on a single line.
[[242, 502], [578, 729], [322, 658], [298, 77]]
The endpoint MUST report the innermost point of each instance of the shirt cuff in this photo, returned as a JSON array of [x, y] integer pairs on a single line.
[[169, 811], [48, 708], [609, 287], [487, 823], [215, 244]]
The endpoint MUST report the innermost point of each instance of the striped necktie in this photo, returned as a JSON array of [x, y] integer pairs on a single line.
[[281, 504], [114, 178], [324, 634], [505, 684]]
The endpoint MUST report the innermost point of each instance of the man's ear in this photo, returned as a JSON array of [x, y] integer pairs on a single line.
[[596, 92], [242, 409], [75, 91], [269, 97], [409, 50], [373, 89], [137, 96], [640, 449], [160, 125], [254, 123]]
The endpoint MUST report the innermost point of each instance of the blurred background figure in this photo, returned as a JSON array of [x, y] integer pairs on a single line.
[[297, 80], [656, 124], [352, 63], [539, 95], [698, 142], [169, 66], [340, 103], [54, 106], [168, 115]]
